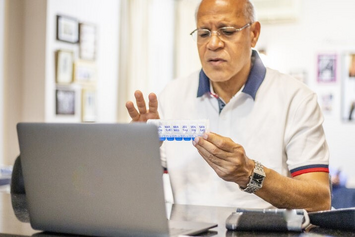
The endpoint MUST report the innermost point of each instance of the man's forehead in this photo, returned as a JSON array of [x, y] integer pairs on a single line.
[[211, 7], [220, 10]]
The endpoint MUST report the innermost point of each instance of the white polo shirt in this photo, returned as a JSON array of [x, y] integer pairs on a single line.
[[275, 117]]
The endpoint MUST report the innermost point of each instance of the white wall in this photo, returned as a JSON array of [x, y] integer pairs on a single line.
[[105, 15], [29, 63], [186, 54], [325, 26], [147, 49]]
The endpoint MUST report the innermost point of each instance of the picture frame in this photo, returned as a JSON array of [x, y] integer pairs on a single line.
[[64, 66], [327, 102], [85, 72], [87, 41], [65, 101], [351, 65], [67, 29], [348, 88], [89, 105], [326, 68]]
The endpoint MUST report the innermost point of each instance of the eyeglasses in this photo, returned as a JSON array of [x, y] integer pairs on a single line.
[[228, 33]]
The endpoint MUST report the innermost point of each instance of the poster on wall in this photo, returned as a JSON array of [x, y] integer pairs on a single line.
[[348, 88], [326, 67]]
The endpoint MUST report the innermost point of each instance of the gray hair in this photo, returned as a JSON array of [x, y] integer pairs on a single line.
[[249, 11]]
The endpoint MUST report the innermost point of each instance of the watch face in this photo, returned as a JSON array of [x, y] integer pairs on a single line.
[[258, 178]]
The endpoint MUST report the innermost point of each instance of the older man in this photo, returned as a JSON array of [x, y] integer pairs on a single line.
[[266, 147]]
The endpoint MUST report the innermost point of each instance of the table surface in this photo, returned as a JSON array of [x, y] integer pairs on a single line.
[[10, 224]]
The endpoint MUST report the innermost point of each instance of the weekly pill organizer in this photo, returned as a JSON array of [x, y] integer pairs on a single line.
[[180, 130]]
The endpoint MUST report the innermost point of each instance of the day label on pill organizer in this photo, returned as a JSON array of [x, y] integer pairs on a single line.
[[180, 130]]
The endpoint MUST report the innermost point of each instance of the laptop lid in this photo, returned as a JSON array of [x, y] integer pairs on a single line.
[[94, 179]]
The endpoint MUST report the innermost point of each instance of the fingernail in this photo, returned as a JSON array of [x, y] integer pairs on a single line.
[[205, 136], [195, 141]]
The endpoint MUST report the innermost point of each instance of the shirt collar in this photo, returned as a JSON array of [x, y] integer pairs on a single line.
[[255, 78]]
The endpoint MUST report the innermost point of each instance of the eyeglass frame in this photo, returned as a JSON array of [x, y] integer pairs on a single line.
[[218, 31]]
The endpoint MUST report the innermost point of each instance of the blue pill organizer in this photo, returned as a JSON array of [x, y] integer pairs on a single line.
[[180, 130]]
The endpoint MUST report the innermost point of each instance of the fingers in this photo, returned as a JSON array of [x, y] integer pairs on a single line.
[[223, 143], [133, 113], [153, 103], [214, 146], [141, 113], [140, 102]]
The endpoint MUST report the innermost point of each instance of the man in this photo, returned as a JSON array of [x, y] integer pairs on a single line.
[[266, 146]]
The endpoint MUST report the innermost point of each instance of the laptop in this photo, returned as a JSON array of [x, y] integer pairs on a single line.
[[96, 179]]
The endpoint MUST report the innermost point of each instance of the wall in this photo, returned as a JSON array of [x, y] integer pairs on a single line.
[[13, 71], [147, 47], [186, 55], [2, 17], [29, 62], [325, 26], [106, 18]]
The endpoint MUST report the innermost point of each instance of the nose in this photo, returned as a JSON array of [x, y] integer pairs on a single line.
[[215, 41]]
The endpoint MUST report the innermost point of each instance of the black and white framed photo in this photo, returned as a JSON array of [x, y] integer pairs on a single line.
[[65, 102], [67, 29], [326, 68], [64, 66], [87, 41]]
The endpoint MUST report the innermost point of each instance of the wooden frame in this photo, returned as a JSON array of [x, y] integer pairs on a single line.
[[89, 105], [87, 41], [64, 66], [67, 29], [85, 72]]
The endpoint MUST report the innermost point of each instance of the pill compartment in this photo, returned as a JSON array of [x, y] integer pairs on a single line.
[[180, 130]]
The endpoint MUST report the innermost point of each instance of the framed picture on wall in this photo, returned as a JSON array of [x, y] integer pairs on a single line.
[[326, 67], [64, 66], [87, 41], [89, 105], [65, 102], [348, 88], [67, 29], [85, 72]]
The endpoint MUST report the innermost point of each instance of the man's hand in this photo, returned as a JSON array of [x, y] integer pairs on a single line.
[[142, 114], [226, 157], [308, 191]]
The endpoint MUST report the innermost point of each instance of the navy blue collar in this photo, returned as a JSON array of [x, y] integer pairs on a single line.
[[255, 78]]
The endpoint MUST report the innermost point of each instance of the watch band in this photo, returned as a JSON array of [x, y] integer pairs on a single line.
[[256, 179]]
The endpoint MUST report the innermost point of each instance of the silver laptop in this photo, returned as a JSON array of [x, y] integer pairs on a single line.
[[96, 179]]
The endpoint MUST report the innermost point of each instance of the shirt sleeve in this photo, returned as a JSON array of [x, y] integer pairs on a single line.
[[306, 146]]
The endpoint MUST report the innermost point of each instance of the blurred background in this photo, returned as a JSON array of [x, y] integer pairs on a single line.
[[81, 60]]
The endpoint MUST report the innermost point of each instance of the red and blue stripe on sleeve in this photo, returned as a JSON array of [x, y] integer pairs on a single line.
[[309, 169]]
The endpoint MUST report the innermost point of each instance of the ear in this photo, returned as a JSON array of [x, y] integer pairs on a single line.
[[254, 33]]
